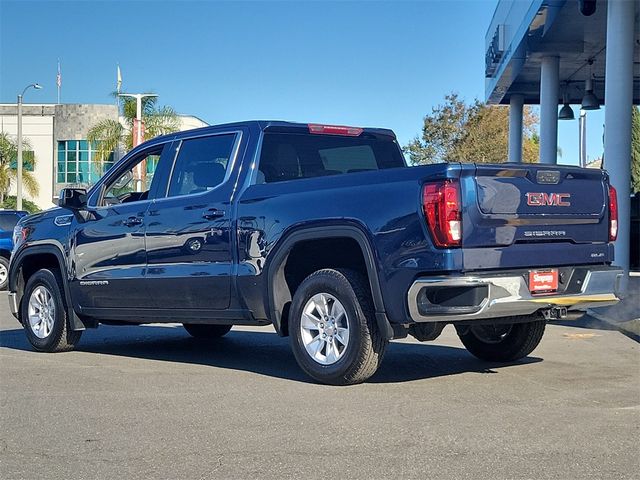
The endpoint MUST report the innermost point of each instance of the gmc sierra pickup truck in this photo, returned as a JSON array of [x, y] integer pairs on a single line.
[[323, 232]]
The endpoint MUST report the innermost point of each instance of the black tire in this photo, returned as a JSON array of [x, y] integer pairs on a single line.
[[502, 342], [198, 330], [4, 267], [365, 348], [60, 337]]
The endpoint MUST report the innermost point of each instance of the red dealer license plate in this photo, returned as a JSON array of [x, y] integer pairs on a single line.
[[543, 281]]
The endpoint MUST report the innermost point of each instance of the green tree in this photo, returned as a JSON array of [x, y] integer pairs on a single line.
[[635, 150], [10, 203], [111, 134], [459, 132], [8, 166]]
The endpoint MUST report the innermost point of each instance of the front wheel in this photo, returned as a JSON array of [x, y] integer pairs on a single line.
[[44, 315], [504, 342], [334, 334]]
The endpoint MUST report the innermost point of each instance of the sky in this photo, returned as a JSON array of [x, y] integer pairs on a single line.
[[364, 63]]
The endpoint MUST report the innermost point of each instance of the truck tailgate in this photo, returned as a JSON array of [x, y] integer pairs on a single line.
[[514, 204]]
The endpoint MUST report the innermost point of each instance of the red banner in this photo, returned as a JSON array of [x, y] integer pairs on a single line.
[[138, 132]]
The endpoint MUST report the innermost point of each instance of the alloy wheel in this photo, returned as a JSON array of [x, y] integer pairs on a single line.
[[41, 311], [324, 328]]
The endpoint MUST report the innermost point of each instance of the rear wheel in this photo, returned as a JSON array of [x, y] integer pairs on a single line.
[[44, 315], [4, 273], [502, 342], [206, 331], [334, 334]]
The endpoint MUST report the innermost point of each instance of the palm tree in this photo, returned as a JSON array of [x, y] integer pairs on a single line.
[[108, 135], [8, 170]]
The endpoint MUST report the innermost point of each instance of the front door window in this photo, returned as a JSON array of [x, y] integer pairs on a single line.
[[134, 184]]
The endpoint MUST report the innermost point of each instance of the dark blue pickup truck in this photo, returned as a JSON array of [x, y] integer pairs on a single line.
[[325, 233]]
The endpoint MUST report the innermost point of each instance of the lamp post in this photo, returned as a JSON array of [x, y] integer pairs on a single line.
[[582, 137], [137, 137], [137, 133], [19, 159]]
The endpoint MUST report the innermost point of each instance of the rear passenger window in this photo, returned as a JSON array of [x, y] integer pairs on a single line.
[[288, 156], [201, 165], [8, 221]]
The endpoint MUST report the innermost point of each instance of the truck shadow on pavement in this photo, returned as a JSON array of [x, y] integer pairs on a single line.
[[263, 353]]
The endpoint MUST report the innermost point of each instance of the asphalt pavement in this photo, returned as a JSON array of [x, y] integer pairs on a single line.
[[151, 402]]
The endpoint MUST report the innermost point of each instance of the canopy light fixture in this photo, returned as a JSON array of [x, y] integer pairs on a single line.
[[590, 101], [566, 112]]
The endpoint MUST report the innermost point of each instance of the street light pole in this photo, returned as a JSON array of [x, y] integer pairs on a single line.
[[582, 138], [137, 139], [19, 157], [137, 132]]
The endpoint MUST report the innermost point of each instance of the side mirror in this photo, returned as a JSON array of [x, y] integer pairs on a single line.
[[73, 198]]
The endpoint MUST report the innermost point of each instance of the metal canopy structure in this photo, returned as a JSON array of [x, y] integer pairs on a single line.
[[522, 33], [550, 52]]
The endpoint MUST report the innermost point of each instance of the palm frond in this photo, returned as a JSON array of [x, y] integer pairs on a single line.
[[5, 180], [30, 183], [9, 147], [8, 168], [149, 104], [161, 122], [107, 134], [128, 109]]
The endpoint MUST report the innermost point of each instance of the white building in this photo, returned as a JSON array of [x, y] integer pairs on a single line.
[[58, 138]]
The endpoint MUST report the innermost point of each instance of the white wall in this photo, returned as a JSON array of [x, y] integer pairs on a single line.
[[39, 130], [187, 122]]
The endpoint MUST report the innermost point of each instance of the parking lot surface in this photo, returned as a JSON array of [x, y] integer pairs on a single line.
[[151, 402]]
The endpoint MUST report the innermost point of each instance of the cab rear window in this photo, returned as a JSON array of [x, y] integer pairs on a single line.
[[290, 156]]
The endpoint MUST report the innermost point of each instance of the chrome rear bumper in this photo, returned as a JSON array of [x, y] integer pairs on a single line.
[[505, 296]]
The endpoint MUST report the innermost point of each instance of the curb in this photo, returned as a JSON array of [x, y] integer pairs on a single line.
[[630, 328]]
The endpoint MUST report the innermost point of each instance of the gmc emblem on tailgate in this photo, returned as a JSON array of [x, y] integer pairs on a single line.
[[540, 199]]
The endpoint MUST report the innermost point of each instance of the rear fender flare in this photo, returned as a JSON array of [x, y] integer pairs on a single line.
[[278, 294]]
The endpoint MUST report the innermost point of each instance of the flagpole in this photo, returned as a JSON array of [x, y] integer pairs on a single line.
[[118, 85], [59, 81]]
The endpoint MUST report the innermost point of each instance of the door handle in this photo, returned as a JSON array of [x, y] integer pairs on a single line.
[[212, 213], [132, 221]]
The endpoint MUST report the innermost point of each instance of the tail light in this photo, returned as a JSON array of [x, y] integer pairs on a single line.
[[335, 130], [613, 214], [443, 210]]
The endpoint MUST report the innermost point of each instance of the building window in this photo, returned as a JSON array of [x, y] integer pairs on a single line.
[[79, 162], [27, 160]]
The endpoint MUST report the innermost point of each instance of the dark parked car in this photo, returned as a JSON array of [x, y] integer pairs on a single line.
[[8, 220], [325, 233]]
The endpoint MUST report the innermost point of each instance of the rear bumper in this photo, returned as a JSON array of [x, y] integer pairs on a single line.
[[476, 297]]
